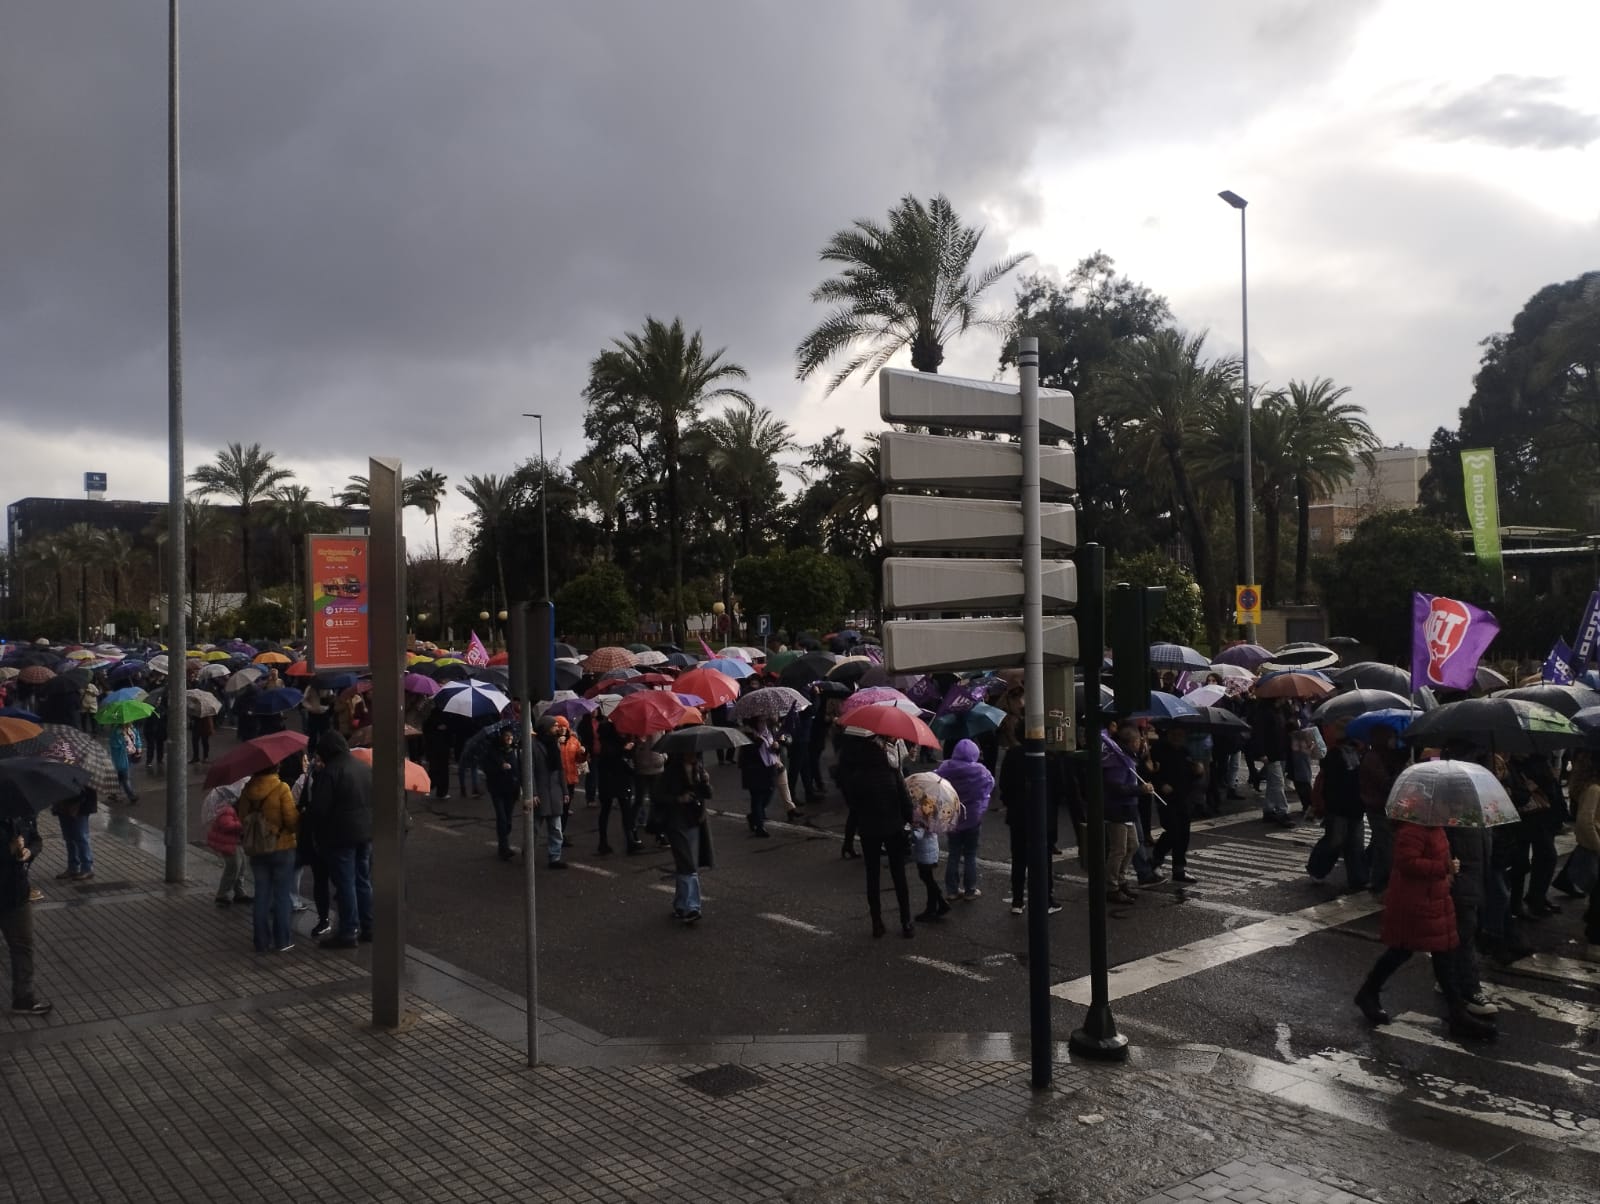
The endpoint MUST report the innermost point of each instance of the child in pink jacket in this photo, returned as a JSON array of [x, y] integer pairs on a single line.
[[222, 838]]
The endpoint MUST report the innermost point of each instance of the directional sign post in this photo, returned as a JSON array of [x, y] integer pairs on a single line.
[[992, 537]]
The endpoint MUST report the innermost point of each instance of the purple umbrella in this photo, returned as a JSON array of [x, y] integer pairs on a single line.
[[924, 691], [572, 709], [1246, 656], [419, 683]]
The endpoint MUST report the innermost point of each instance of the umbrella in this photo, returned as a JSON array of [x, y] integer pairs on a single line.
[[1177, 656], [734, 652], [850, 669], [1108, 698], [611, 657], [637, 648], [1206, 696], [118, 713], [276, 702], [1210, 719], [214, 799], [567, 675], [893, 724], [415, 777], [1305, 656], [730, 666], [35, 675], [18, 713], [566, 651], [981, 718], [1558, 698], [681, 660], [1246, 656], [620, 674], [1370, 675], [15, 731], [813, 666], [1164, 706], [717, 689], [877, 696], [299, 669], [126, 694], [1505, 725], [419, 683], [649, 657], [254, 756], [1358, 702], [208, 672], [243, 678], [1586, 721], [203, 703], [771, 702], [80, 654], [272, 658], [647, 712], [1396, 719], [30, 784], [1450, 794], [1293, 683], [571, 709], [1488, 679], [68, 685], [158, 664], [699, 739], [7, 672], [935, 805], [607, 702], [472, 699], [71, 746], [779, 661]]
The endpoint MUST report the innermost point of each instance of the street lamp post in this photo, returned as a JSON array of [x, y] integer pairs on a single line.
[[544, 507], [1248, 568], [177, 834]]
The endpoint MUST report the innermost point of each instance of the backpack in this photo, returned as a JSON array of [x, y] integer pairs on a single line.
[[256, 836]]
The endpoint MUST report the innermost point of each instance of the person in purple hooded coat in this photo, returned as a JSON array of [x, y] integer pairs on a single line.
[[973, 784]]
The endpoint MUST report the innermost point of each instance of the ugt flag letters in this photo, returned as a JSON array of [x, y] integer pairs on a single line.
[[1447, 639]]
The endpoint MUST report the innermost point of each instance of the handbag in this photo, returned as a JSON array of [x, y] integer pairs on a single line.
[[256, 836]]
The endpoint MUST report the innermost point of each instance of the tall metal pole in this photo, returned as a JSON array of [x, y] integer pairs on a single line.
[[1247, 551], [1034, 782], [177, 820], [386, 616], [524, 691], [1098, 1038], [544, 508]]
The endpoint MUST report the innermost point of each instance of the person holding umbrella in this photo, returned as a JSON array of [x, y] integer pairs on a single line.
[[759, 767], [19, 845], [875, 791], [125, 748], [679, 813]]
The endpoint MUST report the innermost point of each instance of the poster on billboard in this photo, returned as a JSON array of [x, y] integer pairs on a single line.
[[337, 582]]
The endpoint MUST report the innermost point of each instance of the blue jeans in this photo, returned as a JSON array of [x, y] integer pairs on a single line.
[[686, 893], [351, 870], [463, 773], [274, 875], [1274, 802], [963, 857], [75, 835], [554, 839], [127, 786]]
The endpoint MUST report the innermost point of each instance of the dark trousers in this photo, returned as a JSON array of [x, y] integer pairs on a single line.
[[1591, 917], [896, 847], [352, 880], [760, 797], [931, 881], [505, 807], [200, 746], [16, 925], [1466, 953], [1540, 828], [1444, 971], [321, 892], [439, 772], [622, 798], [1175, 825], [1019, 862]]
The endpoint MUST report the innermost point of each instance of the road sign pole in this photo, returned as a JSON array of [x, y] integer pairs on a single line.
[[1098, 1038], [388, 647], [1034, 784]]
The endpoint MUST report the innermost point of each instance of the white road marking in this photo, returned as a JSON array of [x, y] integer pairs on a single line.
[[791, 922], [934, 963], [1408, 1027], [666, 888], [1549, 1007], [592, 869], [440, 828], [1146, 973], [1558, 969]]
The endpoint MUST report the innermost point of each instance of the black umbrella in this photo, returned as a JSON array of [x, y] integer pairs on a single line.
[[813, 666], [1371, 675], [1108, 697], [700, 738], [1564, 699], [568, 675], [1209, 719], [1507, 725], [850, 672], [669, 649], [1489, 679], [1358, 702], [31, 784], [681, 660], [560, 649]]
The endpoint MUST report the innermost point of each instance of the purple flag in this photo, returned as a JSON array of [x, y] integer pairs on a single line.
[[1558, 665], [1447, 639], [1588, 633]]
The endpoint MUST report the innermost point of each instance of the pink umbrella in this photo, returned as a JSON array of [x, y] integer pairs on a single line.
[[879, 696]]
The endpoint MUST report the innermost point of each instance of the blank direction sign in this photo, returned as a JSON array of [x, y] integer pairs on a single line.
[[985, 585], [950, 645], [926, 399], [980, 465], [911, 522]]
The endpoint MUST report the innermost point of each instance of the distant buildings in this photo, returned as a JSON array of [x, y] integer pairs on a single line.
[[1394, 482]]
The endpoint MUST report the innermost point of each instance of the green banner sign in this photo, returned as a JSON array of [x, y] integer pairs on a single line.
[[1483, 504]]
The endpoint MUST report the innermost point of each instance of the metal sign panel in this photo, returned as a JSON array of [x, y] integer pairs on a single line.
[[951, 645], [912, 522], [988, 585], [94, 482], [980, 465], [927, 399]]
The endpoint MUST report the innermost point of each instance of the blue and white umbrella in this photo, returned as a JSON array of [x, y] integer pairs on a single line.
[[734, 667], [1165, 706], [471, 699], [1177, 656]]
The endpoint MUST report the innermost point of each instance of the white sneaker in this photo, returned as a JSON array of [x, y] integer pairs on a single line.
[[1480, 1005], [972, 894], [1016, 909]]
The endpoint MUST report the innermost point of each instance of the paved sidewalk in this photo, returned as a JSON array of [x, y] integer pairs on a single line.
[[179, 1065]]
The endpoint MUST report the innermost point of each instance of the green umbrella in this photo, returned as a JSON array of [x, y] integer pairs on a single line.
[[779, 661], [118, 713]]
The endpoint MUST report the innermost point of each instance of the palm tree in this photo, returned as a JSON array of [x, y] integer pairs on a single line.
[[292, 509], [49, 555], [247, 477], [116, 553], [80, 546], [356, 494], [1327, 439], [907, 283], [493, 497], [742, 445], [658, 379], [202, 524], [605, 486], [1160, 393], [426, 491]]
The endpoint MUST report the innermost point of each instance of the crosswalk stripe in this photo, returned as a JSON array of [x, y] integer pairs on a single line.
[[1407, 1026], [791, 922], [1558, 969], [592, 869], [934, 963], [1547, 1007]]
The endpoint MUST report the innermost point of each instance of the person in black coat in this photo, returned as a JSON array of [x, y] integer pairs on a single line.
[[1180, 788], [1473, 849], [502, 773], [1343, 814], [341, 812], [678, 812], [875, 791], [19, 845], [438, 735], [1012, 786]]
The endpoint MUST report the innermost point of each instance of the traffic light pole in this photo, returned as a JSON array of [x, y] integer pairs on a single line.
[[1033, 761], [1098, 1038]]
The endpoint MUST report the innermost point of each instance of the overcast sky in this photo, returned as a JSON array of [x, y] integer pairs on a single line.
[[406, 223]]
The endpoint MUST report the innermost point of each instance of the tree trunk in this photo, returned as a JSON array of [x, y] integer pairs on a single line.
[[1241, 540], [926, 353], [244, 555], [1272, 515], [669, 446], [1302, 549], [83, 601], [438, 564], [500, 574], [1199, 544]]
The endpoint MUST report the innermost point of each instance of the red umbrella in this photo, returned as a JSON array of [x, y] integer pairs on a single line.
[[35, 675], [299, 669], [654, 679], [610, 657], [253, 756], [718, 689], [893, 723], [646, 712], [500, 658]]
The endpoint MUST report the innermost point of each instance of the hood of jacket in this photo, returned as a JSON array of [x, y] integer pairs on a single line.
[[331, 744], [261, 787], [972, 780]]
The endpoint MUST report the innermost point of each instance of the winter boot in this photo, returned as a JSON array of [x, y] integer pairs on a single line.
[[1371, 1007], [1464, 1026]]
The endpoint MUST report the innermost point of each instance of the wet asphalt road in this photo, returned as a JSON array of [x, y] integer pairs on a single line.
[[785, 946]]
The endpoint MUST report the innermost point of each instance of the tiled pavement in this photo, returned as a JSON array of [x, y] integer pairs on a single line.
[[180, 1066]]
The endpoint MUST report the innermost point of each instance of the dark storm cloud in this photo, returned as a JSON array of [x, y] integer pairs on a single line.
[[408, 219], [1513, 111]]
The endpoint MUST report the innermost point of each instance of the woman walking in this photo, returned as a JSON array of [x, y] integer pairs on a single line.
[[1419, 916], [759, 767], [1584, 786], [269, 819], [679, 812], [125, 748], [876, 794], [973, 784]]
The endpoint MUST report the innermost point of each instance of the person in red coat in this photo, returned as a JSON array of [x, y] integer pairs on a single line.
[[1420, 917]]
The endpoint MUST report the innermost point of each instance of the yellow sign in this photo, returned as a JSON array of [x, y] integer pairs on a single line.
[[1247, 604]]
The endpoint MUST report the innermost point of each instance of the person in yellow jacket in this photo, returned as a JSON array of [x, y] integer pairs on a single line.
[[268, 818]]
